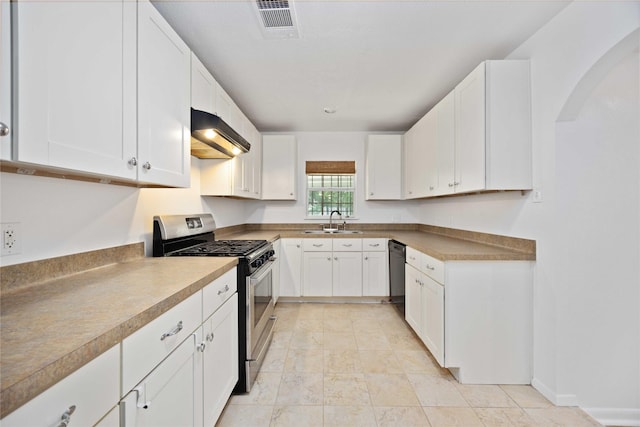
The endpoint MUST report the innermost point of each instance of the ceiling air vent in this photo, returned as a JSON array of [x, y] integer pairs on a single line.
[[277, 18]]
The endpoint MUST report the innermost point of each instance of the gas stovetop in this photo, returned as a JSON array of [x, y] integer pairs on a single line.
[[223, 248]]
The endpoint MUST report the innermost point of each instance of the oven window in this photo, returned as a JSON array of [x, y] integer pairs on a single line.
[[262, 297]]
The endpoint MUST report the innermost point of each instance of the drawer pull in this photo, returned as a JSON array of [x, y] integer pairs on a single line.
[[66, 416], [222, 291], [210, 336], [201, 347], [141, 397], [318, 245], [430, 268], [374, 245], [347, 246], [172, 332]]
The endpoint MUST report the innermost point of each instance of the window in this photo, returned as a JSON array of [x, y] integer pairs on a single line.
[[326, 193], [331, 186]]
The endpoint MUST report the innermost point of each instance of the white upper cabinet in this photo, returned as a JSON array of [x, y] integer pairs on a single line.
[[444, 146], [76, 87], [493, 128], [384, 167], [6, 132], [478, 138], [417, 158], [279, 172], [203, 87], [164, 100]]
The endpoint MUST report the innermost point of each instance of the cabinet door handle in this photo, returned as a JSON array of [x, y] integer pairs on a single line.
[[366, 258], [147, 166], [451, 184], [66, 416], [328, 258], [4, 129], [201, 347], [297, 246], [133, 161], [172, 332], [222, 291], [431, 187], [210, 336]]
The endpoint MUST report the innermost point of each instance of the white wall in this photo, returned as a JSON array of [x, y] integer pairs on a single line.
[[332, 146], [61, 217], [586, 324]]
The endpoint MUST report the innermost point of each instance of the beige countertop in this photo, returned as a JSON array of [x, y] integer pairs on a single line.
[[50, 329], [57, 315], [457, 246]]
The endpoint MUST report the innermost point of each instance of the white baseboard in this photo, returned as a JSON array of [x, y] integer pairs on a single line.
[[616, 416], [556, 399], [605, 416]]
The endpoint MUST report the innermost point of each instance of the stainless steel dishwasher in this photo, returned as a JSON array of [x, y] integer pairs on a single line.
[[397, 256]]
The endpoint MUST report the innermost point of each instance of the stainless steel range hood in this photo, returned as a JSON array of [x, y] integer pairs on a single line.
[[212, 138]]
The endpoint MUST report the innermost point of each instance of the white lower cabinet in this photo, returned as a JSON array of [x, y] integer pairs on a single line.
[[168, 396], [317, 274], [332, 267], [475, 317], [219, 359], [375, 267], [347, 274], [290, 267], [83, 398]]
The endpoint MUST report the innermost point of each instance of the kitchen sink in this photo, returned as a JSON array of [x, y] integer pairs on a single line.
[[332, 232]]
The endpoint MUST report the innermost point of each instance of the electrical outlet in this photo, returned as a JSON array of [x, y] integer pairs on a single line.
[[10, 238]]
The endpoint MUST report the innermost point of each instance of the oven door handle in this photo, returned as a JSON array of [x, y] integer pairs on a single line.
[[260, 274]]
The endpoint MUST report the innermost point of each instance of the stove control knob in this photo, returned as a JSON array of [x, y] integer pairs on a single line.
[[257, 263]]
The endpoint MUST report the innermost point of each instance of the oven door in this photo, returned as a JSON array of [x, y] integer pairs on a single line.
[[260, 318]]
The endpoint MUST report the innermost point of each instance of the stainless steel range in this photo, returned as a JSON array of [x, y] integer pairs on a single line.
[[194, 235]]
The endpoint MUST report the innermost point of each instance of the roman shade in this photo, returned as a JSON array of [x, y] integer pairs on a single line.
[[330, 167]]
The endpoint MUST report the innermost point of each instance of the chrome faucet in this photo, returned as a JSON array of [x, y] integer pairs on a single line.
[[331, 218]]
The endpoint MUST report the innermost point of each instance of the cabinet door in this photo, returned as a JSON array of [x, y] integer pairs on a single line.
[[76, 87], [416, 152], [93, 390], [291, 268], [375, 274], [445, 146], [413, 298], [5, 79], [384, 167], [279, 159], [428, 132], [347, 274], [164, 100], [203, 87], [470, 132], [276, 270], [316, 274], [433, 315], [168, 396], [220, 359]]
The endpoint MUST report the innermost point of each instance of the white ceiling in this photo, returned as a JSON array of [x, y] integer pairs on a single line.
[[381, 64]]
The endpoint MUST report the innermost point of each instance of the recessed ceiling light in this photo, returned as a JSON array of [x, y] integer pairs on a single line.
[[329, 110]]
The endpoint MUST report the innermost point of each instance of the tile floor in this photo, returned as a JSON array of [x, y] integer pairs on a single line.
[[361, 365]]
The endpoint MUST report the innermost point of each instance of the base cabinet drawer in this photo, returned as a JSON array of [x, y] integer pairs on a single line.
[[145, 348], [82, 398]]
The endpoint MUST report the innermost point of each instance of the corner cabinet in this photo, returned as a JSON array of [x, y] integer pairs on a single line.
[[478, 138], [164, 100], [457, 307], [383, 167], [279, 171]]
